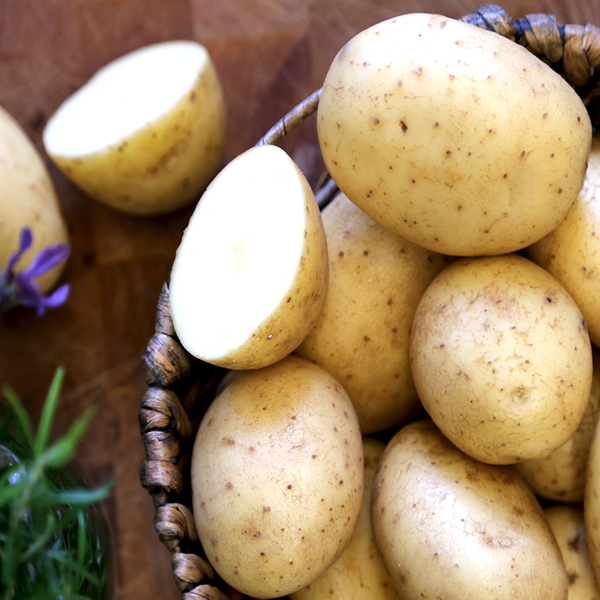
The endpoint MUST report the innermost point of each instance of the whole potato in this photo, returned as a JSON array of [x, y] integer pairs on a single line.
[[146, 134], [362, 336], [27, 199], [358, 574], [568, 525], [454, 137], [449, 526], [501, 358], [571, 251], [561, 476], [591, 502], [277, 477]]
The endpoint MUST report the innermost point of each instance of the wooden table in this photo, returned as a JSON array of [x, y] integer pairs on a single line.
[[270, 54]]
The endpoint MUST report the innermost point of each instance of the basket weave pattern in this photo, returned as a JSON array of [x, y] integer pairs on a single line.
[[180, 387]]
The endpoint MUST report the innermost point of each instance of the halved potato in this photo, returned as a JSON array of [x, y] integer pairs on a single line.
[[145, 134], [251, 273]]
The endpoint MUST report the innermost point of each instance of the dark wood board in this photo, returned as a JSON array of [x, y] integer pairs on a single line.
[[270, 54]]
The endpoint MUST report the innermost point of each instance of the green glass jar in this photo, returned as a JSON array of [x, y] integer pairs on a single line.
[[66, 552]]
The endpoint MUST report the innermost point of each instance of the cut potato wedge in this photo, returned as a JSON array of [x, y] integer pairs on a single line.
[[251, 273], [145, 135]]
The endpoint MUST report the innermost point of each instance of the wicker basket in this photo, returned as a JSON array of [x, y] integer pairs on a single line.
[[180, 387]]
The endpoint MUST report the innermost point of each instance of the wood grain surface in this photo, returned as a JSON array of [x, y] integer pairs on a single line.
[[270, 54]]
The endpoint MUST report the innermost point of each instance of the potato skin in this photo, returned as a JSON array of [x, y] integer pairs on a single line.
[[501, 358], [163, 166], [561, 476], [449, 526], [27, 199], [591, 503], [362, 336], [358, 574], [568, 525], [571, 251], [277, 477], [452, 136]]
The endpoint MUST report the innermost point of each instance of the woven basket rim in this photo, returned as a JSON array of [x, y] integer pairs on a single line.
[[180, 387]]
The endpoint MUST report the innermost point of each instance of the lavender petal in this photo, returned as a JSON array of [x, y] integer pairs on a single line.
[[25, 242], [28, 293], [58, 297], [46, 259]]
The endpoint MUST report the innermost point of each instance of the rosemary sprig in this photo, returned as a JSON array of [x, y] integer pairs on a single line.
[[52, 532]]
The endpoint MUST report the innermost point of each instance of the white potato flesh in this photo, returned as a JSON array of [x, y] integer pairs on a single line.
[[124, 96], [251, 269]]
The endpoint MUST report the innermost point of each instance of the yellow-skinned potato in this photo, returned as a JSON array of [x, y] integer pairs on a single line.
[[561, 476], [362, 337], [358, 574], [449, 526], [571, 251], [568, 525], [591, 503], [27, 199], [145, 135], [452, 136], [277, 477], [501, 358], [257, 237]]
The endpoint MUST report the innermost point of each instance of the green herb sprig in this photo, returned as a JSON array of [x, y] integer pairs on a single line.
[[50, 544]]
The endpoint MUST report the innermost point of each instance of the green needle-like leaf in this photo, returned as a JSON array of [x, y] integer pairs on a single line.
[[74, 497], [62, 558], [64, 449], [51, 543], [21, 413], [45, 426]]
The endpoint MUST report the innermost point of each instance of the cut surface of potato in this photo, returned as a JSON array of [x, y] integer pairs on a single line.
[[145, 134], [250, 276]]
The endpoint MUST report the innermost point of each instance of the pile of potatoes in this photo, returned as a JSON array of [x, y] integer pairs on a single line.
[[412, 373]]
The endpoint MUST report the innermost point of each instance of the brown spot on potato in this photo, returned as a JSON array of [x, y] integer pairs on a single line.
[[574, 544]]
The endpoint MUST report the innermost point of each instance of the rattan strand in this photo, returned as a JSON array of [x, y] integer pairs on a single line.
[[178, 385]]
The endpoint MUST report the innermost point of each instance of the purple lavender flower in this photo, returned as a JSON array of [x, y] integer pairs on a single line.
[[20, 289]]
